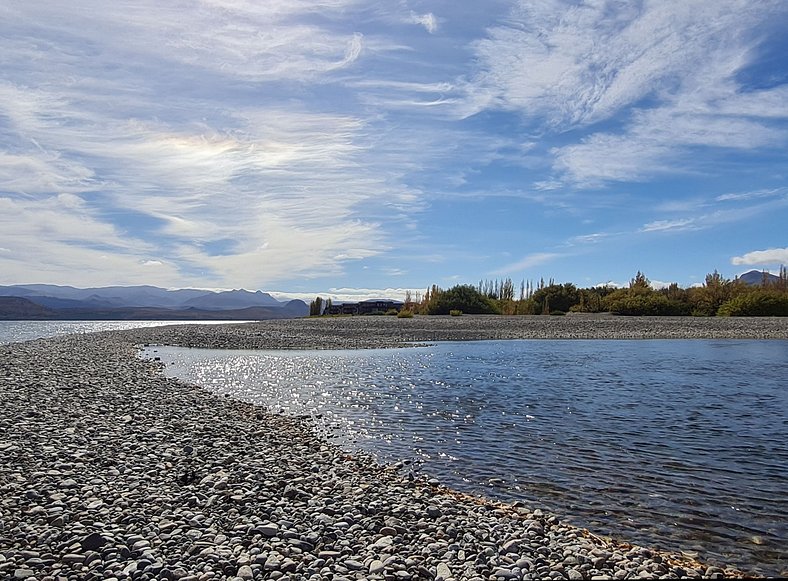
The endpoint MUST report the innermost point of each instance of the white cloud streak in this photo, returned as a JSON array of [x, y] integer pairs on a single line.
[[771, 256]]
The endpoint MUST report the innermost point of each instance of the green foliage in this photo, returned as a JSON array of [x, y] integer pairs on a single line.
[[455, 313], [463, 298], [392, 312], [316, 307], [526, 307], [556, 297], [653, 304], [405, 314], [757, 303], [738, 298], [706, 300]]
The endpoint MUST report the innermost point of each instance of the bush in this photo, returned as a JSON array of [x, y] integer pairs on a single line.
[[760, 303], [648, 305], [392, 312], [463, 298], [558, 313], [455, 313], [405, 314]]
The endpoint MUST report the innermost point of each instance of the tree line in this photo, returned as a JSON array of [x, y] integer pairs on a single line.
[[717, 296]]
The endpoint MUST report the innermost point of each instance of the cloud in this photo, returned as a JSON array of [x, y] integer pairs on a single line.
[[752, 195], [670, 225], [529, 261], [665, 74], [762, 257], [351, 294], [428, 21]]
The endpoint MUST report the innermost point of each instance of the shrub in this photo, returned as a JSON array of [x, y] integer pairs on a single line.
[[405, 314], [759, 303], [392, 312], [558, 313], [463, 298], [651, 305], [455, 313]]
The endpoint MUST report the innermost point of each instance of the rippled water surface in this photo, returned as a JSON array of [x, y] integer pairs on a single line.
[[16, 331], [676, 444]]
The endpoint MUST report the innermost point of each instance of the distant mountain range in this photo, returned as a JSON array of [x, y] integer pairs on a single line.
[[44, 302]]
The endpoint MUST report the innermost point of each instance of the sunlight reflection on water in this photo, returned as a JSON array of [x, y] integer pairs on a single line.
[[678, 444]]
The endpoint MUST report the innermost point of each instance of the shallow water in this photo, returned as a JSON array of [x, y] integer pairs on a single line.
[[16, 331], [676, 444]]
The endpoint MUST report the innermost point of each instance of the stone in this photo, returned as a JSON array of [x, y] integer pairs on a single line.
[[93, 542], [443, 572]]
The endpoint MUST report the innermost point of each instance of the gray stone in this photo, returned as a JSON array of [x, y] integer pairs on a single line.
[[443, 572]]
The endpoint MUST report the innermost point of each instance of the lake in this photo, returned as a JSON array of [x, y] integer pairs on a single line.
[[678, 444], [15, 331]]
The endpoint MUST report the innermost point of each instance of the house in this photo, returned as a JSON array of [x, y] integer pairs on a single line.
[[370, 307]]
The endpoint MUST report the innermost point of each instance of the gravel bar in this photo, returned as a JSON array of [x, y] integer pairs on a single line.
[[109, 470]]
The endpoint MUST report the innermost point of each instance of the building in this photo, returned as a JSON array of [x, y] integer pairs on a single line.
[[370, 307]]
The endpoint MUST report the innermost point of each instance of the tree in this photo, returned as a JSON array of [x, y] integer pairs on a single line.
[[316, 307], [760, 302], [463, 298], [556, 297], [707, 299]]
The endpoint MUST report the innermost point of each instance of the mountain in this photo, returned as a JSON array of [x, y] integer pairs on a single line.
[[234, 299], [755, 277], [119, 296], [40, 301], [22, 309]]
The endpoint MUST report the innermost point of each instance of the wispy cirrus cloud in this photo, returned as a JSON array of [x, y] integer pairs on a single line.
[[668, 69], [232, 182], [529, 261]]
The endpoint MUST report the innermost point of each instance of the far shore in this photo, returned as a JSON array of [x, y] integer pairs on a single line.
[[387, 331]]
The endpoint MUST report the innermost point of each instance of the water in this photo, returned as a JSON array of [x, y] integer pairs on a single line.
[[15, 331], [680, 445]]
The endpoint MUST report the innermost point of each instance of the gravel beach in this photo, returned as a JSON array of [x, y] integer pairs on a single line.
[[109, 470]]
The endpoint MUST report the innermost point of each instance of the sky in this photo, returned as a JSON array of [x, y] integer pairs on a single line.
[[357, 148]]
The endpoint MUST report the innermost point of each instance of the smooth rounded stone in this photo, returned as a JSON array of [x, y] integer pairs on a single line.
[[376, 566], [245, 572], [24, 573], [73, 558], [443, 572], [383, 542]]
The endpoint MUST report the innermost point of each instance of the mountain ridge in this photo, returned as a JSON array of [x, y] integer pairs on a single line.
[[41, 301]]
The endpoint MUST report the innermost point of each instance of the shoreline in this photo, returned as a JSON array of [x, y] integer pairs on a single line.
[[385, 332], [110, 470]]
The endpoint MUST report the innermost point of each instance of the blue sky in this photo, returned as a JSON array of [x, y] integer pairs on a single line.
[[358, 148]]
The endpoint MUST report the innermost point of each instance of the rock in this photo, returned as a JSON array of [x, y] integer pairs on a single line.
[[245, 572], [93, 542], [272, 564], [376, 566], [443, 572]]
